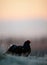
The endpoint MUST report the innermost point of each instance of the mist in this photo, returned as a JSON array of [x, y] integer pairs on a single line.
[[23, 28]]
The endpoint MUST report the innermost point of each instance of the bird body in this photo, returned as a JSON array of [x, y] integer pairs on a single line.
[[24, 50]]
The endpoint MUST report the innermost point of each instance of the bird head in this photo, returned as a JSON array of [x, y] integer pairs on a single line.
[[27, 42]]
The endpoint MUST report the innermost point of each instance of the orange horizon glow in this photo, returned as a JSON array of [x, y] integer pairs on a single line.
[[15, 9]]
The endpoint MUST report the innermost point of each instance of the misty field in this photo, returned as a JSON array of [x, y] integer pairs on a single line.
[[19, 60]]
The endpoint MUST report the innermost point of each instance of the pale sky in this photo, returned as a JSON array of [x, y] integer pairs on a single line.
[[23, 18], [24, 28], [15, 9]]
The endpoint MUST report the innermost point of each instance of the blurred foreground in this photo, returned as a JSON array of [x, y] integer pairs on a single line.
[[19, 60]]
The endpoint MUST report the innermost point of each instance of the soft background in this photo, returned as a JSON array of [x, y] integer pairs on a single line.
[[21, 20]]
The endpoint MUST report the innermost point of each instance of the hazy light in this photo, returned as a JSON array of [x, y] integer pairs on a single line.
[[25, 28]]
